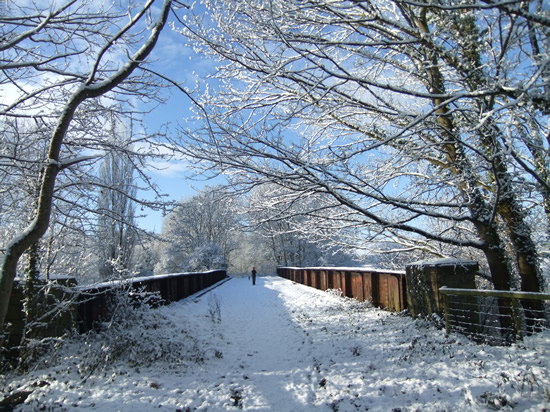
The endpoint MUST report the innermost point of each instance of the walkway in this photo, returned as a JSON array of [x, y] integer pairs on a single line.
[[266, 362], [283, 347]]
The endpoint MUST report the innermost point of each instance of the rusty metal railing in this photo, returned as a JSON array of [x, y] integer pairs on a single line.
[[383, 288]]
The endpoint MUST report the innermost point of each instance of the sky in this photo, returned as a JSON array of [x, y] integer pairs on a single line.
[[173, 58], [280, 346]]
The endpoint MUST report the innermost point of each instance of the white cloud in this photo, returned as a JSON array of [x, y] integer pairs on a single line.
[[169, 168]]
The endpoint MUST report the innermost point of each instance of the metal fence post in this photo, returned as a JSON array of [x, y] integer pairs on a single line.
[[446, 308], [518, 324]]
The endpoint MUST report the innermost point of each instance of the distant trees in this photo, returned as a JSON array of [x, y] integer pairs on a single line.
[[252, 250], [201, 227], [425, 123], [207, 256], [67, 66], [215, 228]]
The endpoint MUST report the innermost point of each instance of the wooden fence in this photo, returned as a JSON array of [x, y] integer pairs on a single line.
[[494, 316], [385, 289]]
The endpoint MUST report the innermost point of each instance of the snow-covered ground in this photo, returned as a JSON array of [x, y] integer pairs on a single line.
[[281, 346]]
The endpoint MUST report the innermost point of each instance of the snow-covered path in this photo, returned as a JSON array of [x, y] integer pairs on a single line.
[[283, 347], [265, 360]]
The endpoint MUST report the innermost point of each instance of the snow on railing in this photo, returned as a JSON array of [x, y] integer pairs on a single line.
[[86, 306], [94, 304]]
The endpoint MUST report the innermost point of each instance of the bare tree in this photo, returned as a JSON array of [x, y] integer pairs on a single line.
[[383, 110], [66, 64]]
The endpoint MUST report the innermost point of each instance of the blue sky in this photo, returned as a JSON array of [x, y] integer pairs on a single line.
[[173, 58]]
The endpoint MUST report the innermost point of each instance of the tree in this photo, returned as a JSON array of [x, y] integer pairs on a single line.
[[291, 231], [21, 141], [116, 233], [66, 65], [396, 114], [252, 250], [207, 256], [208, 218], [23, 144]]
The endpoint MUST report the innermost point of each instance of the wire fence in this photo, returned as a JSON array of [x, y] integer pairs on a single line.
[[493, 316]]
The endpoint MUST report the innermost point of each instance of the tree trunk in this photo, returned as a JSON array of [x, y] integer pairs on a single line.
[[497, 258], [507, 204], [31, 304], [527, 263], [31, 235]]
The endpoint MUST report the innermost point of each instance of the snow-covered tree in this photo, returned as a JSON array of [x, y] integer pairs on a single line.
[[252, 250], [116, 232], [208, 218], [207, 256], [422, 122], [291, 230], [22, 141], [67, 65]]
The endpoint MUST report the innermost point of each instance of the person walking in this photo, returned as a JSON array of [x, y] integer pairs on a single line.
[[254, 275]]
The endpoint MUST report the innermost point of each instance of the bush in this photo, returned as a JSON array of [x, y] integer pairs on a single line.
[[137, 336]]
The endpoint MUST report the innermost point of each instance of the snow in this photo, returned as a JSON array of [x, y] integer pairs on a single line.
[[444, 262], [281, 346], [347, 269], [122, 282]]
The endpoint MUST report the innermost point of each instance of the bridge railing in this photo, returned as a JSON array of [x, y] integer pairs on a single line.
[[384, 288], [85, 307], [95, 302]]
